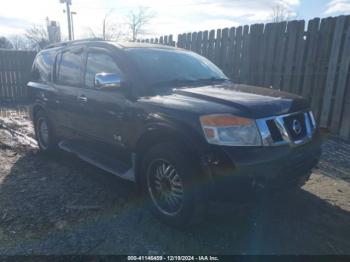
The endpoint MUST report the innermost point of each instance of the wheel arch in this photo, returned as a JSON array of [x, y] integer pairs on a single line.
[[35, 109], [162, 134]]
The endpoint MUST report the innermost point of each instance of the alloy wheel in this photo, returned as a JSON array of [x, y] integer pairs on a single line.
[[165, 187]]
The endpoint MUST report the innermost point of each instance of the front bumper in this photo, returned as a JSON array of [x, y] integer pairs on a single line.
[[240, 170]]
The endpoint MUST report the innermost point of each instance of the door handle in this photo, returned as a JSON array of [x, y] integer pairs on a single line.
[[82, 99]]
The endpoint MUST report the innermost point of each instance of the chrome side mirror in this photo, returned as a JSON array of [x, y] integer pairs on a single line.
[[107, 81]]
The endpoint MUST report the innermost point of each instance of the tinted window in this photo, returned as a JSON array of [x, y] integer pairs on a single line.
[[69, 68], [42, 67], [99, 62], [160, 65]]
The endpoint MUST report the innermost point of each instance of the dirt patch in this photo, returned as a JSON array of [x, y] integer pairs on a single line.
[[61, 205]]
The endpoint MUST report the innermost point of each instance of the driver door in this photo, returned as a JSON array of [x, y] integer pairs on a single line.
[[102, 111]]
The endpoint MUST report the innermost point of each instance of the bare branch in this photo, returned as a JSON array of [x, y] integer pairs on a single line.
[[111, 30], [91, 32], [20, 43], [5, 43], [137, 20], [38, 37], [280, 13]]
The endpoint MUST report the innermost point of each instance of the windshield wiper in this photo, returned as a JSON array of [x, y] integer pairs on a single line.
[[174, 82], [192, 82], [212, 79]]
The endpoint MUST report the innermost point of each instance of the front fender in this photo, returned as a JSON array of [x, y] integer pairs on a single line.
[[159, 132]]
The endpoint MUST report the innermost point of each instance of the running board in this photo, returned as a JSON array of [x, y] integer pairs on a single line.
[[108, 164]]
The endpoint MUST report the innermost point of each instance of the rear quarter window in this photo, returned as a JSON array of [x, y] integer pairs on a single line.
[[41, 71]]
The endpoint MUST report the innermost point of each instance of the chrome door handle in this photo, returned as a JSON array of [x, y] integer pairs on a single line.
[[82, 98]]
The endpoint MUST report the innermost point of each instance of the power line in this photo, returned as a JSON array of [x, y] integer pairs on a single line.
[[135, 6]]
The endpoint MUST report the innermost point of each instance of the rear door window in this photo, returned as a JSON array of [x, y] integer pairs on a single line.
[[69, 68]]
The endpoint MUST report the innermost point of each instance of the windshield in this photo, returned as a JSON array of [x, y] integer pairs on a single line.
[[162, 66]]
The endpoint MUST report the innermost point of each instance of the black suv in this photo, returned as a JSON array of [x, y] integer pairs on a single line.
[[172, 122]]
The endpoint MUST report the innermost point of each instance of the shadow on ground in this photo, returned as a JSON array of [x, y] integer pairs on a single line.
[[63, 206]]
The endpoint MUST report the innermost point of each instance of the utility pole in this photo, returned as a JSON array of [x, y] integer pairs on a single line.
[[73, 13], [68, 3]]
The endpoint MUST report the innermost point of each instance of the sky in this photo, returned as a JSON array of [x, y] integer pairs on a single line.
[[170, 16]]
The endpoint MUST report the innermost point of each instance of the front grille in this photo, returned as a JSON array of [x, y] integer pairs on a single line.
[[296, 126], [295, 129], [275, 133]]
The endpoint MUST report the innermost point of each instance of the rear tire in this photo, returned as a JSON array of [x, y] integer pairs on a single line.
[[44, 133], [171, 185]]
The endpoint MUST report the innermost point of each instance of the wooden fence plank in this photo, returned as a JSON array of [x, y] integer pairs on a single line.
[[332, 71], [345, 125], [341, 84], [244, 70], [256, 54], [292, 28], [311, 44], [194, 42], [3, 74], [297, 79], [217, 51], [18, 76], [7, 78], [188, 41], [199, 42], [2, 77], [14, 75], [271, 31], [321, 64], [20, 67], [224, 51], [280, 55], [230, 51], [237, 54], [211, 45], [205, 44], [180, 40]]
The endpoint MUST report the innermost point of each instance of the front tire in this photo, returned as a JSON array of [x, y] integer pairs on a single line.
[[44, 133], [172, 186]]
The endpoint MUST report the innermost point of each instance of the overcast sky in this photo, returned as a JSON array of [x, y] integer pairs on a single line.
[[171, 16]]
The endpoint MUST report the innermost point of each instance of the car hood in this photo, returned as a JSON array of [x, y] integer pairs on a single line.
[[257, 102], [238, 99]]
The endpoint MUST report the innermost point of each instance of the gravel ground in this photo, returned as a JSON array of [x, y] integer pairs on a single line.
[[64, 206]]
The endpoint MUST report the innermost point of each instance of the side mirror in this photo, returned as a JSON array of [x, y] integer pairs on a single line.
[[107, 81]]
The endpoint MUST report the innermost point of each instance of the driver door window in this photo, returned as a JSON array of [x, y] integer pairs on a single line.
[[99, 62]]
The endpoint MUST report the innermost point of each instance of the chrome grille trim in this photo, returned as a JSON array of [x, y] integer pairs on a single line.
[[266, 136]]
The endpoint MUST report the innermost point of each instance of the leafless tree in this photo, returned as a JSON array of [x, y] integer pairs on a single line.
[[20, 43], [137, 20], [280, 13], [5, 43], [38, 37], [111, 30]]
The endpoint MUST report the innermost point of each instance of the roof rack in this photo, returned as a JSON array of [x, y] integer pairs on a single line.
[[66, 43]]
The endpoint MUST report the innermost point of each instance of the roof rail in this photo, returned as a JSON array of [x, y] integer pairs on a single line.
[[66, 43]]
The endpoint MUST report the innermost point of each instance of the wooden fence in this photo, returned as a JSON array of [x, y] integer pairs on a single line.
[[15, 69], [312, 61]]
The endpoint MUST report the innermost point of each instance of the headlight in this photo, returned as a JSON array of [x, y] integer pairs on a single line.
[[230, 130]]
